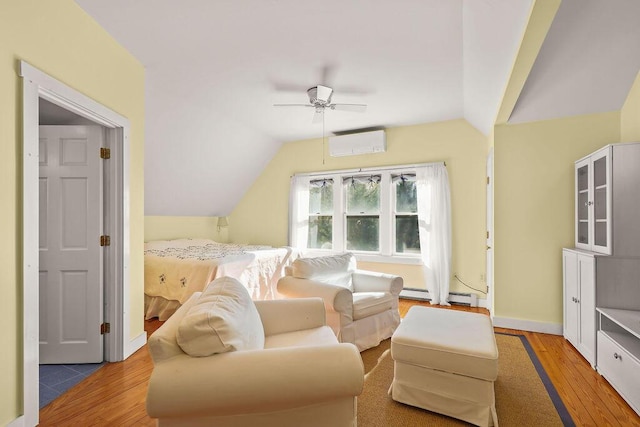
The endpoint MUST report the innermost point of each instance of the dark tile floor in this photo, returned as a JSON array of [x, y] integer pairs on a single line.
[[56, 379]]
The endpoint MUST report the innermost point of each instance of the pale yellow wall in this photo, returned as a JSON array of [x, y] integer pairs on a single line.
[[630, 114], [534, 209], [180, 227], [61, 40], [412, 275], [262, 214]]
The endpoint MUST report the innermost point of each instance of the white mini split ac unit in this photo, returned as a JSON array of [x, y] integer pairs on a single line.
[[358, 143]]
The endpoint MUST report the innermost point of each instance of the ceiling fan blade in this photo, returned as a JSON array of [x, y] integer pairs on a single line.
[[318, 116], [326, 74], [358, 108], [289, 87], [292, 105], [324, 93]]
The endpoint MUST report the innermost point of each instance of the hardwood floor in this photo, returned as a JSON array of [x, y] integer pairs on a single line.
[[115, 394]]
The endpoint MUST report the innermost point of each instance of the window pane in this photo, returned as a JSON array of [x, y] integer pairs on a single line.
[[320, 232], [321, 200], [363, 232], [407, 237], [363, 197], [406, 199]]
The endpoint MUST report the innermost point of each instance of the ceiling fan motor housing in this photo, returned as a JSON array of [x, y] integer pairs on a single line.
[[320, 95]]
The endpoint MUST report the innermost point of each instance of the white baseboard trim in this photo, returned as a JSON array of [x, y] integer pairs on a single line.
[[135, 344], [528, 325], [471, 300], [18, 422]]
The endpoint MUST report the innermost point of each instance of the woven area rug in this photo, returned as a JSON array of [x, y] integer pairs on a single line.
[[524, 394]]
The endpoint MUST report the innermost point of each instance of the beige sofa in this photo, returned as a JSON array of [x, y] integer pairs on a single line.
[[298, 375], [361, 306]]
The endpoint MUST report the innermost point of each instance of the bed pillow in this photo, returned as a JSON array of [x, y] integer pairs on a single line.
[[223, 319], [334, 269]]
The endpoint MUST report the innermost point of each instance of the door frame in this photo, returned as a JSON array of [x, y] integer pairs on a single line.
[[490, 252], [118, 345]]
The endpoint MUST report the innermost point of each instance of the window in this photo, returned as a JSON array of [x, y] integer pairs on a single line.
[[320, 214], [397, 214], [405, 215], [373, 214], [362, 213]]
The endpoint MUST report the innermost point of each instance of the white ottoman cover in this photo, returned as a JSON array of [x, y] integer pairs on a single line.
[[446, 340], [446, 361]]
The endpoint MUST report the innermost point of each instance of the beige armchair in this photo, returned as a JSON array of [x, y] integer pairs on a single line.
[[295, 373], [361, 306]]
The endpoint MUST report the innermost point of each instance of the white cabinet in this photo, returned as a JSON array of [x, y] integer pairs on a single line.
[[604, 270], [619, 352], [593, 202], [579, 326]]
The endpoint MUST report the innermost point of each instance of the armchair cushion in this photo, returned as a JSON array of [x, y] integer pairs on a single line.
[[224, 318], [367, 304], [335, 269]]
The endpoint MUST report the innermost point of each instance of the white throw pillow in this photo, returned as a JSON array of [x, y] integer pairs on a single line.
[[223, 319], [335, 269]]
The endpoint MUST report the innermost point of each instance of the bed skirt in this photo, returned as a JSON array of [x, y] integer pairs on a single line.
[[159, 307]]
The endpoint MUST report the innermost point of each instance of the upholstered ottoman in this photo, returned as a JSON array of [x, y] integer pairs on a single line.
[[446, 361]]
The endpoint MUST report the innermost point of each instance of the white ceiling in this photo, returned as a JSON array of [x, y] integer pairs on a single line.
[[215, 67]]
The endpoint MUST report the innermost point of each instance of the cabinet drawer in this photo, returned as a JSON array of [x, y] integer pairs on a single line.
[[620, 368]]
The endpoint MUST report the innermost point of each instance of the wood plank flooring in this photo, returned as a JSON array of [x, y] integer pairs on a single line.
[[115, 394]]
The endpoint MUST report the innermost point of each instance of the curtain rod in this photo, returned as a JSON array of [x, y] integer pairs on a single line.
[[360, 170]]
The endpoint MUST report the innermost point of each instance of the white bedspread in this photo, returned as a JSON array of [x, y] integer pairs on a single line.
[[175, 269]]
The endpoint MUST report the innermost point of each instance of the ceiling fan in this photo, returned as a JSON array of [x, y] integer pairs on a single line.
[[320, 99]]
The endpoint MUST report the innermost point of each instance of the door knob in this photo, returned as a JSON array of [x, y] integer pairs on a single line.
[[617, 356]]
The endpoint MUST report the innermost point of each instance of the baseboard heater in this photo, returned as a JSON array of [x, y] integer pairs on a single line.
[[458, 298]]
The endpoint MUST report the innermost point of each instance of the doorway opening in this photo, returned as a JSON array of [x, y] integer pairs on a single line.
[[118, 345], [73, 180]]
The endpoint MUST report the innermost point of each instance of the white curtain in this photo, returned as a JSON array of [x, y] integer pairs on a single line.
[[434, 224], [299, 212]]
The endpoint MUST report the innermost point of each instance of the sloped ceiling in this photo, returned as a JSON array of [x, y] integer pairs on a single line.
[[215, 67], [587, 64]]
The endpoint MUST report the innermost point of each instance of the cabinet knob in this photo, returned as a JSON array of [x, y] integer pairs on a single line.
[[590, 203], [617, 356], [577, 300]]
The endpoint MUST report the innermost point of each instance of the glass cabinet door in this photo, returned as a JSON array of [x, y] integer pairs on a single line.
[[583, 204], [593, 202], [601, 185]]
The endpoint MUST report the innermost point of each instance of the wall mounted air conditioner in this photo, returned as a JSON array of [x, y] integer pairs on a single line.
[[358, 143]]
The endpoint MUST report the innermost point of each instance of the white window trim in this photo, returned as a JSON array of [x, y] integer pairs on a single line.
[[386, 254]]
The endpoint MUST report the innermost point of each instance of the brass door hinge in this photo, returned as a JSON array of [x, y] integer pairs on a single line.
[[488, 180], [105, 240], [105, 328], [105, 153], [487, 234]]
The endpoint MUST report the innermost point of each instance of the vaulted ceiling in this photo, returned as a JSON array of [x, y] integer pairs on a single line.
[[214, 68]]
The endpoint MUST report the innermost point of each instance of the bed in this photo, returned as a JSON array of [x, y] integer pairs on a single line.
[[175, 269]]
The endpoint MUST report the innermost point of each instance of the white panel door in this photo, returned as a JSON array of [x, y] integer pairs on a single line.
[[71, 262], [587, 307], [570, 296]]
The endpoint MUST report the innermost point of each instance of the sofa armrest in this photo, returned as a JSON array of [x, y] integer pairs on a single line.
[[162, 343], [288, 315], [336, 298], [254, 381], [371, 281]]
